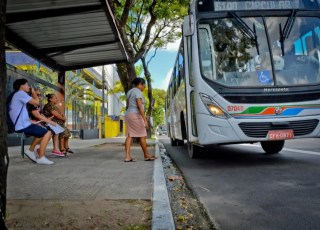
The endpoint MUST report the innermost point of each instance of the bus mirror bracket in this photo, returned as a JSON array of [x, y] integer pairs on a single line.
[[188, 25]]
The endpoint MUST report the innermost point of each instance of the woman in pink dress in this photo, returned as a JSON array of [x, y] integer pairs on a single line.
[[136, 121]]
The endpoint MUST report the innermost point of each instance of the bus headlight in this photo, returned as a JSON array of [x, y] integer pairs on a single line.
[[212, 106]]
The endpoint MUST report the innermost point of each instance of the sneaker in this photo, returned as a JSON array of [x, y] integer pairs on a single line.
[[31, 156], [44, 161], [36, 151], [57, 153]]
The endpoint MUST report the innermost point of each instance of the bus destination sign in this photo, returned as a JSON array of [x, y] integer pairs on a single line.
[[256, 5]]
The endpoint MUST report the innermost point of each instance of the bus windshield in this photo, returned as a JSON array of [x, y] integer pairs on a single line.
[[260, 52]]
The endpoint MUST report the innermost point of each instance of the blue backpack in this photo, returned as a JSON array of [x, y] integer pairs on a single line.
[[11, 125]]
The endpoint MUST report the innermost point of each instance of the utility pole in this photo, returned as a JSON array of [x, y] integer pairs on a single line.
[[103, 101]]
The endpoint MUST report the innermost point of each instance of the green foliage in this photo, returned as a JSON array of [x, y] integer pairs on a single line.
[[75, 88], [147, 24], [42, 73], [165, 18], [139, 70], [159, 96]]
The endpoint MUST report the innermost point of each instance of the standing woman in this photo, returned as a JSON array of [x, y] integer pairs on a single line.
[[136, 121], [51, 110]]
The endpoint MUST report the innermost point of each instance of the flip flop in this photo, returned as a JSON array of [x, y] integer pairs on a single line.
[[153, 157], [131, 160], [149, 159]]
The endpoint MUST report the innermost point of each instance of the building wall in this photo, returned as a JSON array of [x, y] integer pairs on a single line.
[[114, 104], [93, 76]]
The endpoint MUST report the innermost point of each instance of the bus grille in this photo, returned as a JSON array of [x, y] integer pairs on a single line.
[[257, 99], [260, 129]]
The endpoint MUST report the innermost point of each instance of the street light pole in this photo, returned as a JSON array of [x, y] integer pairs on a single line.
[[103, 101]]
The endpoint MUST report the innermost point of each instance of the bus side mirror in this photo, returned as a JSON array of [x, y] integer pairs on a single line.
[[188, 25]]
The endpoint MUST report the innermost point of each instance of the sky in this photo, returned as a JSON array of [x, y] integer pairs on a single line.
[[162, 64]]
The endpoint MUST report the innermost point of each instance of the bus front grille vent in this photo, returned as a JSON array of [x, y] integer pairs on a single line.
[[260, 129], [258, 99]]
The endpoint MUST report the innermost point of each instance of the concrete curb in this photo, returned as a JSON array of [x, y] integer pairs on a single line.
[[161, 212]]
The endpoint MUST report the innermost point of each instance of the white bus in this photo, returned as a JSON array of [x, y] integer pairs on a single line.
[[247, 71]]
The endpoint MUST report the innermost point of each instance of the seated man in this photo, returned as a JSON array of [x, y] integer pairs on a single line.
[[18, 109]]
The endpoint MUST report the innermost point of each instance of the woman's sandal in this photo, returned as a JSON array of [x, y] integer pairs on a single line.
[[68, 150], [151, 158], [131, 160], [64, 151]]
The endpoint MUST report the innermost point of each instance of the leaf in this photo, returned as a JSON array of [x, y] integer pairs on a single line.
[[181, 218], [173, 178]]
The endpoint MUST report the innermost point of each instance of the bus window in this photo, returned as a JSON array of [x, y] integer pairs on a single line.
[[181, 65], [206, 54], [298, 63], [241, 54], [177, 75], [173, 82], [189, 59]]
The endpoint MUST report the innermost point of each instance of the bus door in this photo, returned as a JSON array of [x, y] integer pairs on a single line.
[[190, 119]]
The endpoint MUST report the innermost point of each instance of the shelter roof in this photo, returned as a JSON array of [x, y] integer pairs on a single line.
[[65, 34]]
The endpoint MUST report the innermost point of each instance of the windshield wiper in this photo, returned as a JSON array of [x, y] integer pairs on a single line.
[[284, 34], [251, 34]]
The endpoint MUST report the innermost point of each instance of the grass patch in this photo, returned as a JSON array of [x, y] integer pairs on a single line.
[[137, 227]]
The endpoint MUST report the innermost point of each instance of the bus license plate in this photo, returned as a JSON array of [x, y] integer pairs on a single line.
[[280, 134]]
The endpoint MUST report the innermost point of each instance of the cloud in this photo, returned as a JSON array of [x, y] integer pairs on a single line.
[[166, 81], [174, 46]]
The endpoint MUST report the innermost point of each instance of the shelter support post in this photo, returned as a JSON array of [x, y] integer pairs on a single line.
[[61, 93], [4, 159]]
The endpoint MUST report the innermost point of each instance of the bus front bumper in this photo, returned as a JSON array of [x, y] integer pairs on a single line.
[[212, 130]]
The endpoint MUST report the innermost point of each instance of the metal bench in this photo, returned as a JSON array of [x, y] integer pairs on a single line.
[[23, 138]]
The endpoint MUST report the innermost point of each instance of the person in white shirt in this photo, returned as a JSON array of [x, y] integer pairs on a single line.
[[19, 115]]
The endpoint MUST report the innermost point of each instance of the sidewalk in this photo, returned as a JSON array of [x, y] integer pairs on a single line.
[[92, 188]]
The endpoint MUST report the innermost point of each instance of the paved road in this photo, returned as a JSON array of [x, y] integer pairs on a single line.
[[243, 188]]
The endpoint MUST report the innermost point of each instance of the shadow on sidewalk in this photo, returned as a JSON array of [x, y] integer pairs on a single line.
[[92, 187]]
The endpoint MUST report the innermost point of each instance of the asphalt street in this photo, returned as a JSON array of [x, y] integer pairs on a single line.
[[243, 188]]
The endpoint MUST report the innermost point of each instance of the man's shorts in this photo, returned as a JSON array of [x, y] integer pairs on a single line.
[[34, 130]]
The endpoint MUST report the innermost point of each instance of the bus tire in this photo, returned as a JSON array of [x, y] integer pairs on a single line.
[[173, 142], [193, 151], [272, 147]]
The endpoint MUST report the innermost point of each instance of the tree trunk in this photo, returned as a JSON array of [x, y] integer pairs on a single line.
[[150, 96], [127, 73], [4, 158]]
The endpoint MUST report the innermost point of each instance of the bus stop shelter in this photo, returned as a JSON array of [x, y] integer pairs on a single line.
[[65, 34], [61, 34]]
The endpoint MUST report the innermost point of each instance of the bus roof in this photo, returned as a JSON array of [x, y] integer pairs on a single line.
[[205, 6]]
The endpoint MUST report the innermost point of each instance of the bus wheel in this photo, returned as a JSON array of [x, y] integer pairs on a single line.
[[272, 147], [180, 142], [173, 142], [193, 151]]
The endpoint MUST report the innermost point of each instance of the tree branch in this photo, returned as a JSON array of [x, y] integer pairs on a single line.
[[125, 13], [153, 19], [154, 54]]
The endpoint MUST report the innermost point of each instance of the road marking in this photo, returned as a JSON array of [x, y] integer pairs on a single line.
[[205, 189], [302, 151], [290, 150]]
